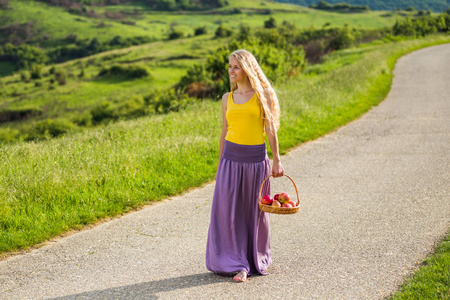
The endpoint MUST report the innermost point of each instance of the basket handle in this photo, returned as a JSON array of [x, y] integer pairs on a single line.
[[262, 185]]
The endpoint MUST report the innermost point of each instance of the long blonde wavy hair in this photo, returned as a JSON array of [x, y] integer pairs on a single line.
[[261, 85]]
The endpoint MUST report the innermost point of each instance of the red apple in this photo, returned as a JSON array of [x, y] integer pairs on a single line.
[[266, 200], [292, 203], [287, 204], [276, 196], [284, 198], [276, 203]]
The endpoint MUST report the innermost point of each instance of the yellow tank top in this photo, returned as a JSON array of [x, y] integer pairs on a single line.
[[245, 124]]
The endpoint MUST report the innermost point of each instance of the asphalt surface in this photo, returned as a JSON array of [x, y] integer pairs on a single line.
[[375, 200]]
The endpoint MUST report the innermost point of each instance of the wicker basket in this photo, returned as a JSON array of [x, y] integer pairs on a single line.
[[278, 210]]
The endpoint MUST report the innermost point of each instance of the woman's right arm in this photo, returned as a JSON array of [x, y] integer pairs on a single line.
[[224, 124]]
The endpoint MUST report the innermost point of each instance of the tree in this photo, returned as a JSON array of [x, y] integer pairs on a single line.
[[271, 23]]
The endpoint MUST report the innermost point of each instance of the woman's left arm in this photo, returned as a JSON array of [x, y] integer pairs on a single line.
[[277, 167]]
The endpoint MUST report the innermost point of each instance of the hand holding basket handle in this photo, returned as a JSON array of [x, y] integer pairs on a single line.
[[278, 210]]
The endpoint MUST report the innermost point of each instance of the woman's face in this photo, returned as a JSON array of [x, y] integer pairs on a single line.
[[235, 71]]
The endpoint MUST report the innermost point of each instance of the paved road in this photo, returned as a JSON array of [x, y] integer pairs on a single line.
[[375, 201]]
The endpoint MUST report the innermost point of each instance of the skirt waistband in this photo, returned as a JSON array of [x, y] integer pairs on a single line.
[[244, 153]]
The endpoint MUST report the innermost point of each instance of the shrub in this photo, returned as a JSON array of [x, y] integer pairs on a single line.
[[340, 7], [422, 13], [94, 46], [342, 39], [196, 82], [223, 31], [102, 113], [132, 108], [236, 11], [422, 26], [81, 75], [25, 76], [84, 120], [200, 30], [271, 23], [128, 72], [72, 38], [36, 72], [128, 22], [118, 41], [314, 51], [8, 135], [83, 48], [175, 34], [19, 33], [46, 129], [244, 33], [324, 5], [18, 114], [24, 56], [60, 77], [161, 102], [404, 27]]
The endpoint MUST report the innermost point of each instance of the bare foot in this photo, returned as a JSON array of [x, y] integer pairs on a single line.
[[241, 276]]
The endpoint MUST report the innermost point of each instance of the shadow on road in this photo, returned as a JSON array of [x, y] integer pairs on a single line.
[[148, 290]]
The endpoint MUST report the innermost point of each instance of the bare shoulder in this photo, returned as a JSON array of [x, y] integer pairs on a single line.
[[225, 97], [225, 102]]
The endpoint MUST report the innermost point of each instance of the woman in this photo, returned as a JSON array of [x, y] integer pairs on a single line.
[[238, 236]]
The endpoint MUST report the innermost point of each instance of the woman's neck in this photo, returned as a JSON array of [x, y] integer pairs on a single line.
[[243, 88]]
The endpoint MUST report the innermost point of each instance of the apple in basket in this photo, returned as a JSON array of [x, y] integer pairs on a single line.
[[276, 203], [287, 204], [284, 198], [276, 196], [293, 204], [266, 200]]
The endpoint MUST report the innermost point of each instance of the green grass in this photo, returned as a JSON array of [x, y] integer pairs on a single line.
[[432, 280], [53, 186], [78, 96], [57, 23]]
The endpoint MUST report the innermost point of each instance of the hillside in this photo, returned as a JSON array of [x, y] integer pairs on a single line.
[[49, 26], [63, 71], [64, 34], [434, 5]]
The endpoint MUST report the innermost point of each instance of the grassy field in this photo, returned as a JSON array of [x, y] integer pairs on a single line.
[[163, 59], [53, 186], [57, 23], [167, 61], [432, 280]]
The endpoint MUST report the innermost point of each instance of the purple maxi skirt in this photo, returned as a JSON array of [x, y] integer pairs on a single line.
[[238, 236]]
